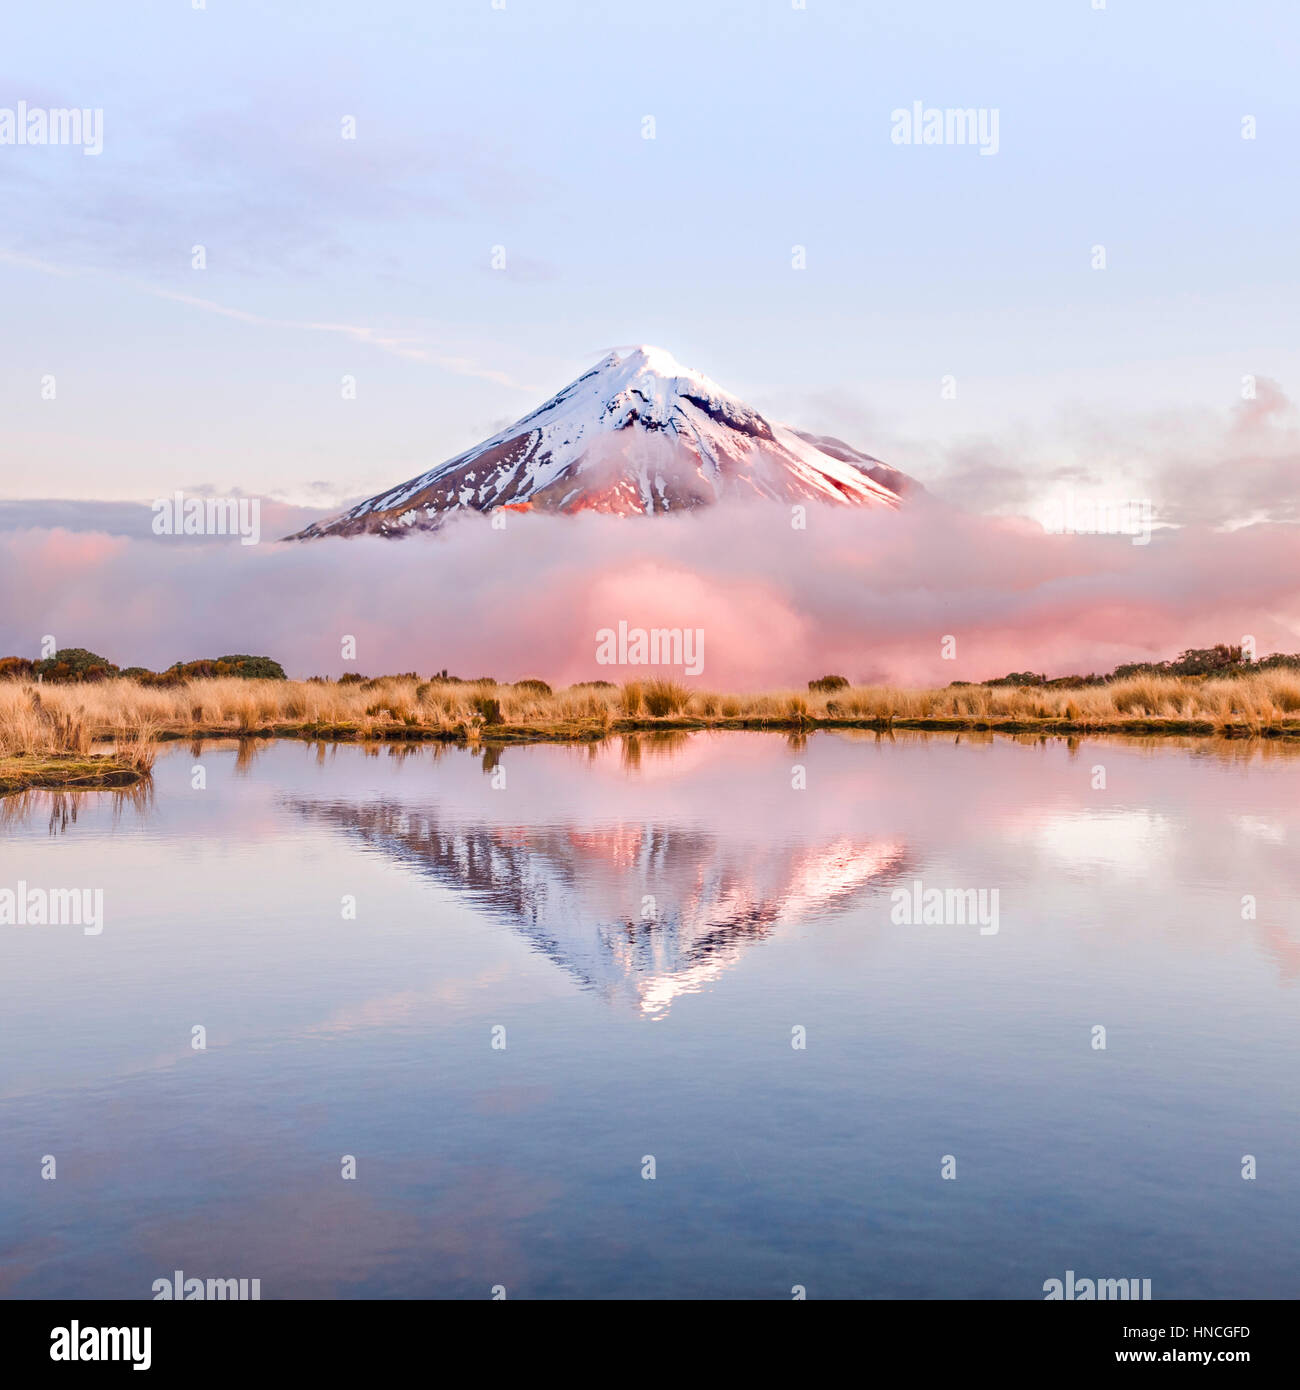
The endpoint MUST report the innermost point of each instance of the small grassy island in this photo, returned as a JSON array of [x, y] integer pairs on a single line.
[[21, 772], [47, 738]]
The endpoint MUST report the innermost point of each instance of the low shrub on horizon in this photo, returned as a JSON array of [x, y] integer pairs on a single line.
[[74, 664], [1018, 678], [1221, 661], [251, 667], [70, 665]]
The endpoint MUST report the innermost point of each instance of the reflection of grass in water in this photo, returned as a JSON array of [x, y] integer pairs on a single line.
[[635, 747], [246, 755], [1225, 750], [61, 807]]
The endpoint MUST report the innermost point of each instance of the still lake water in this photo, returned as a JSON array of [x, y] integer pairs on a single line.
[[637, 1027]]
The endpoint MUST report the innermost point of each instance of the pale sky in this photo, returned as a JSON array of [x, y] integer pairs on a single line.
[[522, 128]]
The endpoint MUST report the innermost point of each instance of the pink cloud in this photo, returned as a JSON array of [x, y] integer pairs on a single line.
[[868, 595]]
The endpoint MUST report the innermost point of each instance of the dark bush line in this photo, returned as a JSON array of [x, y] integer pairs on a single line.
[[70, 665], [1220, 660]]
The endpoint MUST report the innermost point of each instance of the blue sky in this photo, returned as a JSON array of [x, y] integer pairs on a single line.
[[522, 128]]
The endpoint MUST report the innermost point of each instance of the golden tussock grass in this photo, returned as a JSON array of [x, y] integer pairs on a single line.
[[46, 739], [68, 718]]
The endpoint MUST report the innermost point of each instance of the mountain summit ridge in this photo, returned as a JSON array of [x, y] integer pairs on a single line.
[[636, 434]]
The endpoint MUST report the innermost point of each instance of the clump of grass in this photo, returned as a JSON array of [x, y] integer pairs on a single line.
[[30, 726], [1142, 695], [664, 697], [140, 748], [1285, 692], [45, 745], [631, 698], [69, 732], [247, 718]]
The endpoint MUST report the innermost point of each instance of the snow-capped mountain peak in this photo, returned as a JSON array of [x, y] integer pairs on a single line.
[[637, 434], [652, 384]]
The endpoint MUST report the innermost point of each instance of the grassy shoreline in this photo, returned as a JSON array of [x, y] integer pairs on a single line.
[[64, 720], [576, 731]]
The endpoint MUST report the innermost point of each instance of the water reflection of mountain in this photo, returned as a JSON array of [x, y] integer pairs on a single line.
[[639, 912]]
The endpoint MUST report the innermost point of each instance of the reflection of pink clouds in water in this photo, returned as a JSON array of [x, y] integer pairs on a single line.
[[405, 1006], [1181, 842], [1282, 948], [1119, 842], [869, 595]]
